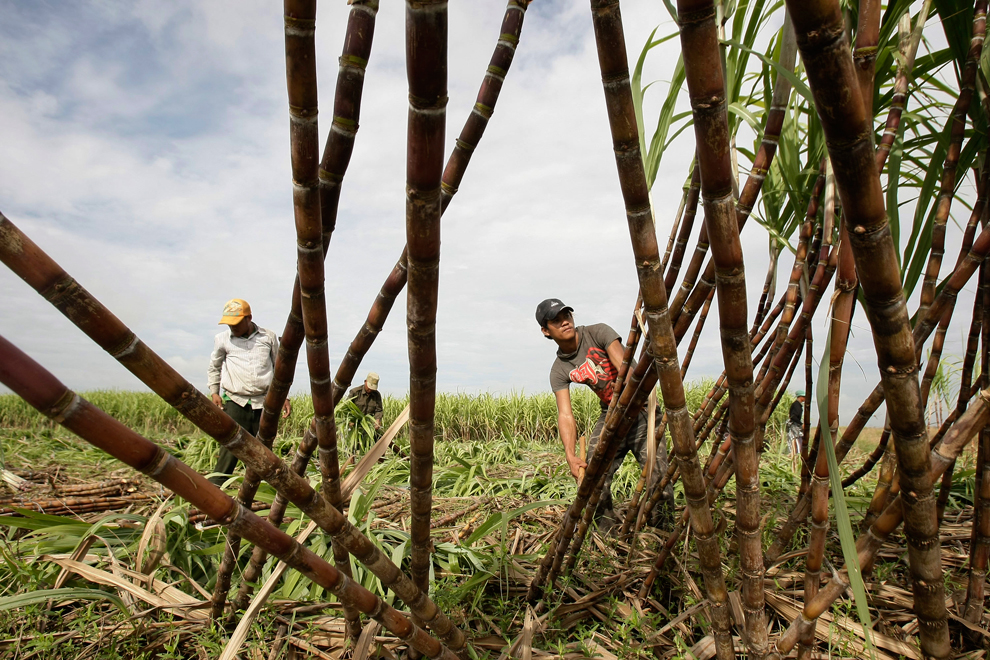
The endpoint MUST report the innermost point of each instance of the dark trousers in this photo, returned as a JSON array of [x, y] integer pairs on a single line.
[[249, 419], [635, 442]]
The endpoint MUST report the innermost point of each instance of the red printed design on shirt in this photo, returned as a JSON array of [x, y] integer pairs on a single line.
[[597, 373]]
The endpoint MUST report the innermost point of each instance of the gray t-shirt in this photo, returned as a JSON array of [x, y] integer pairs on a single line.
[[589, 365]]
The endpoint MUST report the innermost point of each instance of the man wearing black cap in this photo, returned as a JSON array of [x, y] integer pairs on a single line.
[[590, 355]]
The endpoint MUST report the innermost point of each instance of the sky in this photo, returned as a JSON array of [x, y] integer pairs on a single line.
[[145, 148]]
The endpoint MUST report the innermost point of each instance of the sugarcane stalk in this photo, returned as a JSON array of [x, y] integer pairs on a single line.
[[687, 224], [848, 136], [971, 255], [980, 538], [697, 334], [615, 75], [980, 534], [426, 69], [908, 47], [716, 481], [885, 480], [683, 312], [703, 413], [36, 268], [454, 517], [300, 65], [706, 87], [878, 452], [453, 174], [865, 49], [336, 156], [44, 392], [956, 129]]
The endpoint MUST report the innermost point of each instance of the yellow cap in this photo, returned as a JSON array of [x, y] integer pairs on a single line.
[[235, 310], [372, 380]]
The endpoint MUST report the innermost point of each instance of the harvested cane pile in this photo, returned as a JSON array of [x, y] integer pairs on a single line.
[[44, 493]]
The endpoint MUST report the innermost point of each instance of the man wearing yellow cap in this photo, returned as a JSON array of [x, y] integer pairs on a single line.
[[242, 365], [368, 399]]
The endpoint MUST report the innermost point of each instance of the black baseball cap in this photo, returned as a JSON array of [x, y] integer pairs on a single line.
[[549, 309]]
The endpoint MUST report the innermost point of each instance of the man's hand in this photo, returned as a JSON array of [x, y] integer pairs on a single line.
[[286, 409], [217, 401], [575, 464], [378, 424]]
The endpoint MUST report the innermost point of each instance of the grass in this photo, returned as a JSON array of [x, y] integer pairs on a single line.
[[499, 451]]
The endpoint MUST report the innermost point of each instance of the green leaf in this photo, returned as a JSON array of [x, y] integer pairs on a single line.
[[45, 595]]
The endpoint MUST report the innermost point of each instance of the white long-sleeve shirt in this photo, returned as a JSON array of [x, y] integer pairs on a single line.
[[243, 366]]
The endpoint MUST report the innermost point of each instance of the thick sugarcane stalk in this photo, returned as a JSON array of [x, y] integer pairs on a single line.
[[426, 69], [706, 87], [681, 311], [336, 156], [868, 544], [956, 129], [825, 52], [29, 262], [43, 391], [865, 49], [304, 137]]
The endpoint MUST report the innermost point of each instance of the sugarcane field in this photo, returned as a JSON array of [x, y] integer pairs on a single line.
[[780, 449]]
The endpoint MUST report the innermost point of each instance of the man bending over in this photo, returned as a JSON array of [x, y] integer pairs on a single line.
[[590, 355]]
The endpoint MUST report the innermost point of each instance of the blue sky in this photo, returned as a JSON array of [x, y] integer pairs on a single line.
[[145, 147]]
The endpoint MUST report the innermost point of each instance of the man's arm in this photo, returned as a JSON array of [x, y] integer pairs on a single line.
[[567, 428], [615, 352], [213, 371]]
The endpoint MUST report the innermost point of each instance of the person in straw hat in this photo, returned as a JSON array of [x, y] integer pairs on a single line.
[[241, 369]]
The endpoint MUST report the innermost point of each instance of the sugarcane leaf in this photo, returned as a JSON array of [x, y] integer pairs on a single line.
[[846, 538], [741, 111], [659, 141], [636, 85], [671, 9], [799, 85], [68, 593]]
